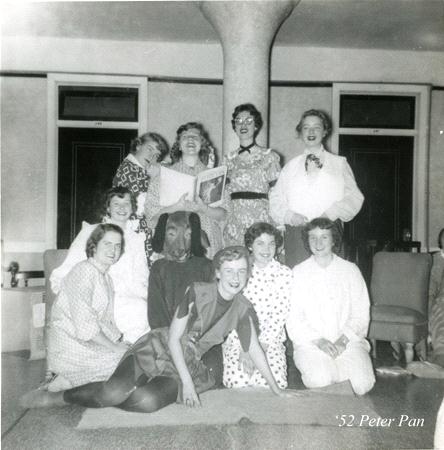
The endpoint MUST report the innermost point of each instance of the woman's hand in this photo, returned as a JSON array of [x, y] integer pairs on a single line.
[[327, 347], [289, 393], [246, 364], [295, 219], [341, 343], [190, 397], [120, 347]]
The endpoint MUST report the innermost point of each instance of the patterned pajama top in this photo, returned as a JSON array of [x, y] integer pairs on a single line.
[[84, 308]]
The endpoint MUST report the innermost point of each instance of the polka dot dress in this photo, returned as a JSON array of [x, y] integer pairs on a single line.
[[268, 290]]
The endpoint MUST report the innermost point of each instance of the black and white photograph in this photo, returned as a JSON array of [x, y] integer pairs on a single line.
[[222, 224]]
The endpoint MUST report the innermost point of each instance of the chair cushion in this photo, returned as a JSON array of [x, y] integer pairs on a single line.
[[396, 314]]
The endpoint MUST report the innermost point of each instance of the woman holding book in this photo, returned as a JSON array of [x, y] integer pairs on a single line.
[[191, 153], [251, 169]]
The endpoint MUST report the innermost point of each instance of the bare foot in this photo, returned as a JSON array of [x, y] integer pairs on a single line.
[[39, 398]]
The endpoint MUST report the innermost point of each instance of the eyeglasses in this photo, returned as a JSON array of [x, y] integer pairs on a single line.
[[246, 121]]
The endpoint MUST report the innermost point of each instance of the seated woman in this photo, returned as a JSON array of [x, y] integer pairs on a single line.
[[190, 154], [329, 314], [165, 365], [129, 274], [84, 343], [134, 174], [268, 290]]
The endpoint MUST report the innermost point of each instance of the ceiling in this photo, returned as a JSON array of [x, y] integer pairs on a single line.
[[371, 24]]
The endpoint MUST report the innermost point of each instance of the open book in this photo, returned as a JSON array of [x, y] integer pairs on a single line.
[[208, 185]]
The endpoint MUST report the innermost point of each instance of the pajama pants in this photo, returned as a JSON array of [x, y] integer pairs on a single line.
[[319, 369]]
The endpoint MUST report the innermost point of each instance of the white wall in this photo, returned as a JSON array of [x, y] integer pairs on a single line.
[[23, 136], [206, 60]]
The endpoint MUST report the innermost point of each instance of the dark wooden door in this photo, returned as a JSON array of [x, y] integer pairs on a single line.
[[383, 168], [88, 160]]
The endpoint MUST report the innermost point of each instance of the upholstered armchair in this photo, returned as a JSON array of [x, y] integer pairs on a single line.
[[51, 260], [399, 295]]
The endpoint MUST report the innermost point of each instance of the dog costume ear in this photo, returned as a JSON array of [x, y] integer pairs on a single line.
[[197, 249], [159, 234]]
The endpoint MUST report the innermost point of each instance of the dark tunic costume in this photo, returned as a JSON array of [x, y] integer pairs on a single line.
[[211, 319], [167, 284]]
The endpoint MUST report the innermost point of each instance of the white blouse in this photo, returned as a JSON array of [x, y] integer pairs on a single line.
[[328, 302], [332, 191]]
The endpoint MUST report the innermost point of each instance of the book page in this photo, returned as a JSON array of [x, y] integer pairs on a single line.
[[210, 185], [174, 184]]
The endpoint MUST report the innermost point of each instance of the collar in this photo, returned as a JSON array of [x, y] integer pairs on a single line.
[[100, 267], [246, 148], [319, 153], [133, 159]]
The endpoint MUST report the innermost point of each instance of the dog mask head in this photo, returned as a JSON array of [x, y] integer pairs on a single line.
[[178, 236]]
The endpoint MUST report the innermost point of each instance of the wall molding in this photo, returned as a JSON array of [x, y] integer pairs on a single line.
[[24, 246]]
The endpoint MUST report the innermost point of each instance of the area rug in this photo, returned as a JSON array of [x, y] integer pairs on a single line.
[[230, 406]]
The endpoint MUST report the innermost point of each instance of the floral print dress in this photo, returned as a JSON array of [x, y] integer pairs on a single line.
[[252, 173]]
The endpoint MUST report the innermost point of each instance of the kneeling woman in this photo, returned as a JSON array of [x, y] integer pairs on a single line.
[[329, 314], [165, 366]]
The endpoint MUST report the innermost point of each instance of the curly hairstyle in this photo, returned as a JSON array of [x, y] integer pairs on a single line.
[[324, 224], [162, 144], [232, 253], [259, 228], [97, 235], [206, 147], [248, 107], [118, 191], [326, 122]]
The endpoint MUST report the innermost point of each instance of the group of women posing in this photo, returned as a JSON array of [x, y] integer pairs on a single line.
[[103, 357]]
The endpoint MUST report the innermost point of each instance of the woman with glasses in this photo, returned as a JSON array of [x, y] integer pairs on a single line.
[[251, 169]]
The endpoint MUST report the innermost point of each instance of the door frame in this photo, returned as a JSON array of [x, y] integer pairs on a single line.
[[54, 80], [420, 210]]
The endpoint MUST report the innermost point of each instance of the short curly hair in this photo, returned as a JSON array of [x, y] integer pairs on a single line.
[[249, 107], [326, 122], [259, 228], [205, 149], [118, 191], [232, 253], [324, 224], [162, 144], [97, 235]]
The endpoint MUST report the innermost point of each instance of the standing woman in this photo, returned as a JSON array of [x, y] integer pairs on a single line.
[[134, 174], [314, 184], [251, 169], [191, 153], [268, 290]]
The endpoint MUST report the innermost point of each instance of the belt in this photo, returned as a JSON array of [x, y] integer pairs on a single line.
[[248, 195]]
